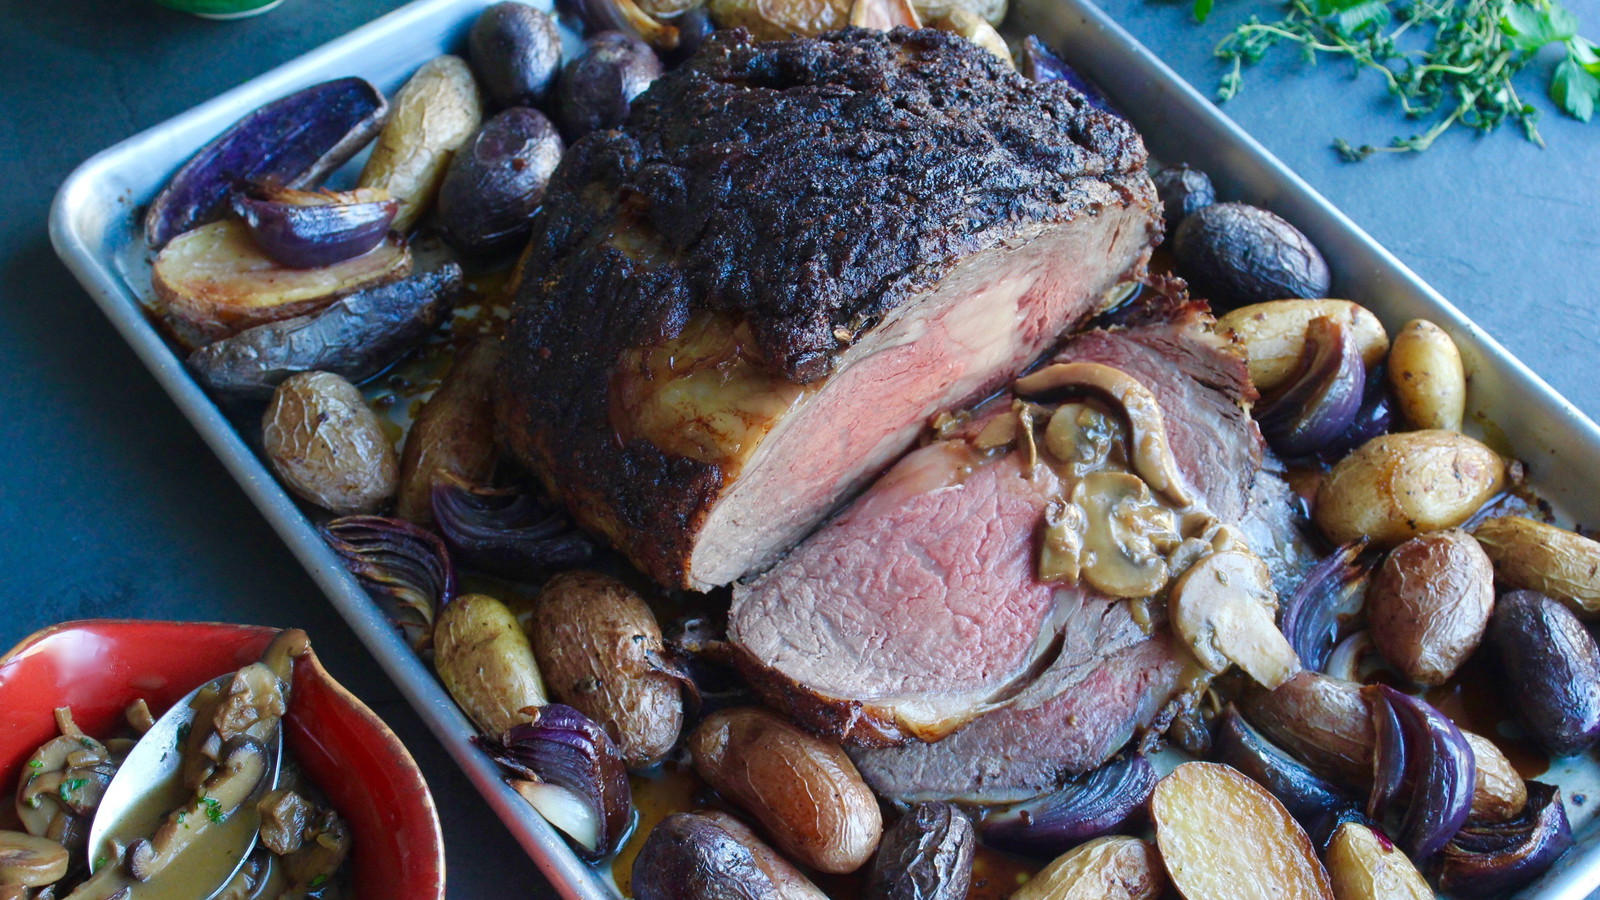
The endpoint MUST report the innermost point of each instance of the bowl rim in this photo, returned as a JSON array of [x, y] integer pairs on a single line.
[[418, 783]]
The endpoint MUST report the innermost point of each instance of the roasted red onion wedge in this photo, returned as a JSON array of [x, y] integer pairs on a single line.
[[1317, 804], [293, 142], [1552, 667], [1487, 859], [1102, 802], [1320, 399], [404, 568], [505, 531], [312, 229], [1375, 417], [1424, 771], [571, 772], [1038, 62], [1330, 593]]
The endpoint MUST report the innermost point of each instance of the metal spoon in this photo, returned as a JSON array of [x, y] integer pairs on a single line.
[[152, 769]]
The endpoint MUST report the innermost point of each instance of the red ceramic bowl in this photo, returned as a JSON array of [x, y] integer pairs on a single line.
[[98, 667]]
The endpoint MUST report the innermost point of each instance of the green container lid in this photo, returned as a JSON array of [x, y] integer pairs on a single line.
[[221, 9]]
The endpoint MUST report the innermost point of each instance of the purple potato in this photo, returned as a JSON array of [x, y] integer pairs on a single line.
[[292, 142], [494, 184], [1234, 254], [356, 337], [515, 50], [309, 229], [1183, 190], [597, 87], [691, 857], [926, 855], [1552, 669]]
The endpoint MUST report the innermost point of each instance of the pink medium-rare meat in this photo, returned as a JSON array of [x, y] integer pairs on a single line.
[[740, 307], [917, 614]]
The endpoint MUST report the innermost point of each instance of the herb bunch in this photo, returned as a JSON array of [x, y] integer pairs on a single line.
[[1470, 50]]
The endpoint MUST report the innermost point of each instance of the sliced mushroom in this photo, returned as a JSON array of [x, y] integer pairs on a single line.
[[284, 816], [138, 716], [1223, 607], [62, 781], [326, 846], [29, 860], [1150, 455], [244, 763], [1061, 549], [1081, 436], [1127, 534]]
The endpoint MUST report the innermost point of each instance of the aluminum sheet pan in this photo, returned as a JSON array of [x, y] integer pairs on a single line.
[[93, 228]]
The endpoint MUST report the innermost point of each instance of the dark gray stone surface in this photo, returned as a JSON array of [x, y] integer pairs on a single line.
[[111, 506]]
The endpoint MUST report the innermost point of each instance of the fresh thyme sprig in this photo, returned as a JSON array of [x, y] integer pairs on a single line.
[[1462, 76]]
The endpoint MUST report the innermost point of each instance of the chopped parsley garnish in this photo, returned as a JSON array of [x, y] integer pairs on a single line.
[[35, 763], [183, 733], [213, 808], [71, 786], [319, 881], [182, 814], [99, 861], [87, 742]]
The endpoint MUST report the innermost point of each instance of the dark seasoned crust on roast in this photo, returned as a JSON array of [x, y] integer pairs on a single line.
[[801, 187]]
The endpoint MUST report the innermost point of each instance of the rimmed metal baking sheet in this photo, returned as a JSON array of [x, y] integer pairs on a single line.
[[93, 228]]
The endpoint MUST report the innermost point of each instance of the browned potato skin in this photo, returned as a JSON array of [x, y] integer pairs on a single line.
[[431, 116], [1397, 486], [1429, 603], [599, 649], [1563, 565], [805, 791], [791, 883], [1429, 382], [1498, 792], [1362, 868], [1115, 867], [1320, 720], [1224, 837], [485, 662], [454, 433], [325, 443]]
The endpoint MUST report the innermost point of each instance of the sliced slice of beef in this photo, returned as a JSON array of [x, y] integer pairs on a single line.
[[1015, 753], [741, 306], [917, 612]]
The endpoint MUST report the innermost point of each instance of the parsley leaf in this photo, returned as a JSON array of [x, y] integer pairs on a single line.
[[1202, 9], [35, 763], [70, 787], [1531, 27], [319, 881], [1575, 89], [213, 808]]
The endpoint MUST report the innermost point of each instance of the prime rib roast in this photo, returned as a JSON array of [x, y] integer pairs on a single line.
[[740, 307], [743, 306]]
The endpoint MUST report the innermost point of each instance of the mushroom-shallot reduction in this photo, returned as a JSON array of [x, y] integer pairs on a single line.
[[229, 796]]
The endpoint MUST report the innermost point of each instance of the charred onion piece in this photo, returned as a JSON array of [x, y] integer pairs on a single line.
[[504, 531], [402, 566], [294, 142], [625, 16], [1424, 770], [1152, 458], [1320, 399], [1330, 590], [571, 773], [1488, 859], [1317, 804], [1105, 801], [311, 229], [1038, 63]]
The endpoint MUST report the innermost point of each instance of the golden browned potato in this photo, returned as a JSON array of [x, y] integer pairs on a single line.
[[1563, 565], [991, 11], [453, 433], [214, 282], [485, 662], [1429, 383], [976, 29], [1498, 792], [773, 20], [804, 791], [1223, 837], [1429, 603], [1115, 867], [1321, 720], [325, 443], [600, 651], [1361, 867], [1397, 486], [429, 119], [1274, 334]]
